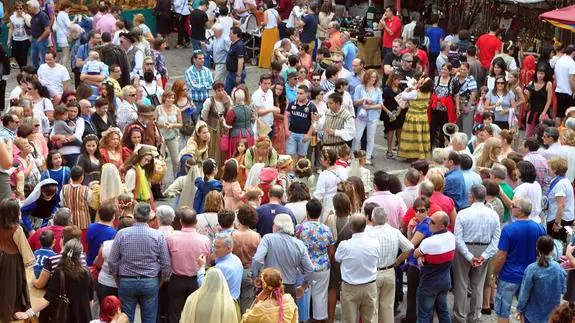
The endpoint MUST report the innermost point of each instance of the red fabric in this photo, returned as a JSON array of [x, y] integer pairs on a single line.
[[34, 240], [341, 163], [395, 25], [421, 54], [444, 201], [526, 76], [488, 45], [284, 8], [564, 15], [446, 102], [440, 258]]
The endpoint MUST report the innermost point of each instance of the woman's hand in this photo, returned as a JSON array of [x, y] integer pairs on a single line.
[[543, 116]]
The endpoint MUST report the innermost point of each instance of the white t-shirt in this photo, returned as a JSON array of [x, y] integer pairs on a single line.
[[104, 277], [564, 67], [264, 100], [53, 78], [19, 31], [43, 106], [295, 14], [532, 192], [563, 188], [298, 209], [62, 28], [181, 7], [569, 152], [239, 5], [273, 18], [227, 24]]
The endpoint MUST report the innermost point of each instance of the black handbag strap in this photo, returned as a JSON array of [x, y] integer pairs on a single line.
[[62, 284]]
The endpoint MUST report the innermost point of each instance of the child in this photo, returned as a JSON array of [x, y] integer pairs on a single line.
[[344, 153], [38, 207], [267, 178], [183, 187], [55, 171], [206, 184], [543, 284], [304, 173], [487, 117], [285, 167], [126, 205], [240, 156], [233, 193], [93, 66], [77, 197], [481, 104], [63, 129], [358, 169], [47, 243]]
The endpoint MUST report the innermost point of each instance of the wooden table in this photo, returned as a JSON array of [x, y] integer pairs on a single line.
[[370, 51]]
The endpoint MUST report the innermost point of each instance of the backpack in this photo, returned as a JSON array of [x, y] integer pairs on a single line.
[[153, 97]]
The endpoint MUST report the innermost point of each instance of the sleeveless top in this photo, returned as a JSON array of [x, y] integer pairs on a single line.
[[538, 98], [242, 122], [171, 118]]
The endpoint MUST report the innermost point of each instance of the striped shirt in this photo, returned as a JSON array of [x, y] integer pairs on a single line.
[[51, 263], [76, 197], [140, 251], [438, 251], [199, 82]]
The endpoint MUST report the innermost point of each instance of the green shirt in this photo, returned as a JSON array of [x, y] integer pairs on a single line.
[[509, 192]]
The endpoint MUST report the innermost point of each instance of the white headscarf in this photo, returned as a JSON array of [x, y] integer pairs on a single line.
[[212, 302], [35, 195], [253, 176], [110, 183]]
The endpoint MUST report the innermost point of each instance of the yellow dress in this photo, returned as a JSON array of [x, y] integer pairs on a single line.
[[268, 311], [415, 142], [269, 37]]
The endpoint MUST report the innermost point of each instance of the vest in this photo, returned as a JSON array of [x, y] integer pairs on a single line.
[[76, 199], [242, 122], [213, 121], [335, 121], [131, 53]]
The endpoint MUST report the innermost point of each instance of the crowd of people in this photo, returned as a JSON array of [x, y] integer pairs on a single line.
[[204, 200]]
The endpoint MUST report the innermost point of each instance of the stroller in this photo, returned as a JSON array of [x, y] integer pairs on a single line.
[[250, 26]]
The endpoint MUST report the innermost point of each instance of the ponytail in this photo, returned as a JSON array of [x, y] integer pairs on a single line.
[[542, 260], [545, 246]]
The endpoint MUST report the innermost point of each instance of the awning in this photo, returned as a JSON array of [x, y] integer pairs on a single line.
[[562, 18]]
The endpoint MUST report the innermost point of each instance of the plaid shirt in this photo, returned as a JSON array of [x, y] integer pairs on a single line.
[[140, 251], [199, 82], [541, 168]]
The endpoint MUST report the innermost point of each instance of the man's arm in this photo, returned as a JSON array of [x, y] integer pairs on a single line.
[[45, 33], [240, 67], [492, 248], [348, 131], [498, 261], [459, 241], [258, 260]]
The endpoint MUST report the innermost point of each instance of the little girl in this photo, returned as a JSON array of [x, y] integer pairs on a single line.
[[304, 173], [233, 193], [285, 168], [481, 104], [206, 184], [240, 157], [543, 284], [63, 129], [358, 169], [56, 171]]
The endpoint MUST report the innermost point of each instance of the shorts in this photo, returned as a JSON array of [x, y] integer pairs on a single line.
[[564, 101], [504, 298], [296, 145]]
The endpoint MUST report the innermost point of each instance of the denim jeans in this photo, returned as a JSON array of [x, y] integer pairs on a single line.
[[296, 145], [143, 291], [427, 301], [39, 51], [231, 81], [360, 126]]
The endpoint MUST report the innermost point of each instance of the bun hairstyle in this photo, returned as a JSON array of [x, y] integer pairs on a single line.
[[208, 167], [272, 285], [303, 168]]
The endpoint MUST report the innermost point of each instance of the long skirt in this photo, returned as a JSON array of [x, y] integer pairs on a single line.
[[280, 138], [234, 143], [14, 295], [214, 146], [414, 142], [269, 38]]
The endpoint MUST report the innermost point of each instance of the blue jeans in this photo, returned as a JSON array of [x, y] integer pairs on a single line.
[[231, 81], [39, 51], [504, 298], [143, 291], [427, 301], [296, 145]]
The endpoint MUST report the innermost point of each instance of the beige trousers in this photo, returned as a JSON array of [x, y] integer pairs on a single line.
[[358, 301]]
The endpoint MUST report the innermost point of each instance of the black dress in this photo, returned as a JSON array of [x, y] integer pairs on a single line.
[[390, 103], [79, 292], [101, 125], [91, 170]]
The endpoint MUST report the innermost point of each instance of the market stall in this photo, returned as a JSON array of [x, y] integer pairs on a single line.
[[370, 51], [563, 18]]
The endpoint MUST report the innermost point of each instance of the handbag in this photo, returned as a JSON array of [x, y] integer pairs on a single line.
[[59, 311]]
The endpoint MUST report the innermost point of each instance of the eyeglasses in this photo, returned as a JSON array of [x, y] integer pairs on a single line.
[[499, 82], [19, 8], [432, 222], [337, 62], [149, 64], [422, 210], [36, 126]]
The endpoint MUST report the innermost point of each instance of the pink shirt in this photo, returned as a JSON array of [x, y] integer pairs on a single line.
[[185, 247], [393, 205], [233, 195], [107, 24]]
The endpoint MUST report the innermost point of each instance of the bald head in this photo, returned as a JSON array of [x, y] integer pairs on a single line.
[[439, 221], [358, 65], [426, 189], [85, 107]]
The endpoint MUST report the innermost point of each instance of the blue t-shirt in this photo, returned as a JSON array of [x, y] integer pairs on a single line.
[[309, 29], [519, 240], [350, 52], [435, 34], [300, 116], [291, 93], [41, 255], [266, 216], [423, 228], [96, 235]]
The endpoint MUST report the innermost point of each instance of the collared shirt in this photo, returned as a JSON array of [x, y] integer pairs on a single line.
[[346, 103], [541, 168], [237, 50], [6, 133], [393, 205], [264, 100], [358, 257], [471, 178], [477, 224], [390, 239], [455, 188], [199, 82], [285, 253], [140, 251], [353, 81], [318, 238], [348, 131], [220, 47], [327, 85], [231, 267], [409, 195], [185, 247]]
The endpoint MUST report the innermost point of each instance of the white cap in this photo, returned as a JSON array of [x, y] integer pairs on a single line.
[[33, 3]]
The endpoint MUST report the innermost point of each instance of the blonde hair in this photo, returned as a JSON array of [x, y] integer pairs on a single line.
[[438, 181], [127, 89], [487, 159], [139, 18], [567, 137], [558, 165]]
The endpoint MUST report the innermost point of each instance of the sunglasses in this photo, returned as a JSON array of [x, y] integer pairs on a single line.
[[336, 62], [149, 63], [422, 210], [19, 8]]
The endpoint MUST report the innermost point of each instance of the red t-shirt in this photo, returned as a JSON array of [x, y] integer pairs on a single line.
[[34, 240], [395, 25], [421, 55], [487, 44]]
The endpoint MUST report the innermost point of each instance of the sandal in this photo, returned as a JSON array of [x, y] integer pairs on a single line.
[[389, 154]]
